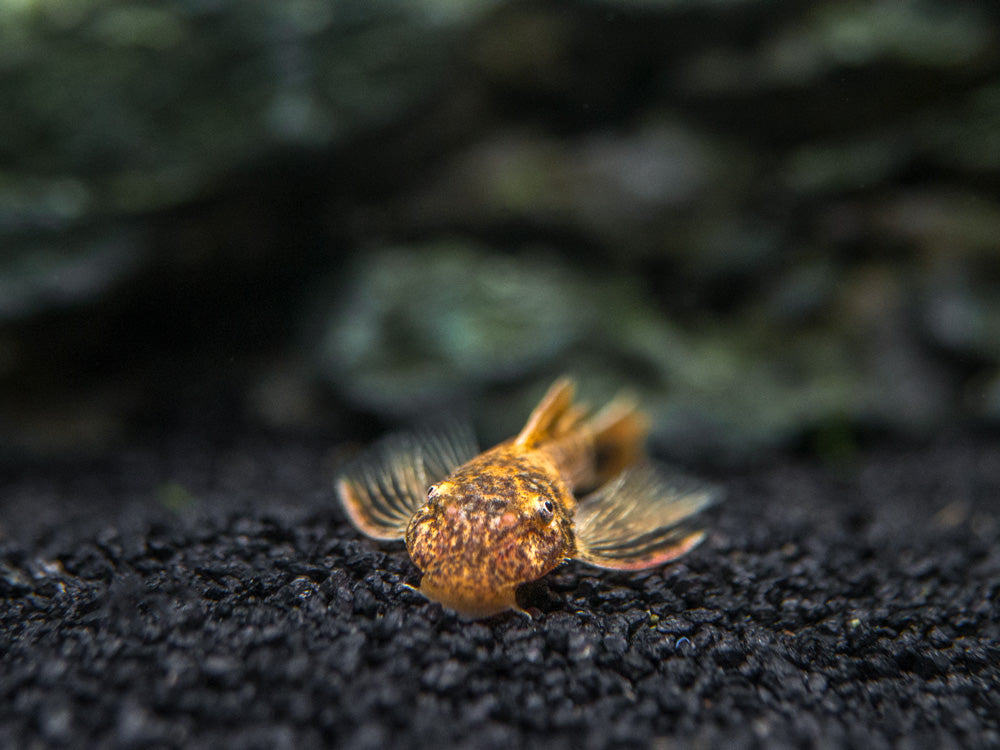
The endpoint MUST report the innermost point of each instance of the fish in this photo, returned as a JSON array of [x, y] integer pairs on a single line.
[[570, 485]]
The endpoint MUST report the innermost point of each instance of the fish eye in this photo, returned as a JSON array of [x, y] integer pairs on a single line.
[[548, 508]]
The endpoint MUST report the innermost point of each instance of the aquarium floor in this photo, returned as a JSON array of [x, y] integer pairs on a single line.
[[209, 594]]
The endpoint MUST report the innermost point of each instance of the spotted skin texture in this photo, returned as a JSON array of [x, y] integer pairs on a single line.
[[502, 519], [478, 526]]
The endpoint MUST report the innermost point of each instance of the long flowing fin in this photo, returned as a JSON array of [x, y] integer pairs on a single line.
[[384, 487], [641, 520], [553, 412]]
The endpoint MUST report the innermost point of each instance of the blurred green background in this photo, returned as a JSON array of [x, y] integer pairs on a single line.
[[777, 222]]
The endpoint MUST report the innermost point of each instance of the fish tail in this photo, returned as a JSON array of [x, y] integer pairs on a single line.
[[588, 450], [619, 432]]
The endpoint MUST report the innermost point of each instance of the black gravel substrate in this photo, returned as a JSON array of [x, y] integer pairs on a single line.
[[201, 596]]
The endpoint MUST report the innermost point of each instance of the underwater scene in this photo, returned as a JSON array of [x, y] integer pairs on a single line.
[[589, 373]]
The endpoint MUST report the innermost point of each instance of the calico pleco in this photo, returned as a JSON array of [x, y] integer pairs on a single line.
[[569, 486]]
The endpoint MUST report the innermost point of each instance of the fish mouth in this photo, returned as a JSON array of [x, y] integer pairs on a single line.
[[469, 600]]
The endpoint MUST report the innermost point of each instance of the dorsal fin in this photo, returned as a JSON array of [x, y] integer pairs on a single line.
[[546, 417]]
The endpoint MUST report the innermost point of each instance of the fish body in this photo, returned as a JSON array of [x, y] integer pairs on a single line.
[[567, 486], [503, 518]]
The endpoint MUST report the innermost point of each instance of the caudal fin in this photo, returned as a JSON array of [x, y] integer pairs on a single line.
[[619, 431], [589, 451]]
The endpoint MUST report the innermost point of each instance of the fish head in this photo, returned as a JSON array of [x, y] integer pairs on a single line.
[[477, 539]]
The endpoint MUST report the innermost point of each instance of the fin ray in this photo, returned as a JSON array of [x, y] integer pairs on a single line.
[[642, 519], [546, 417], [384, 487]]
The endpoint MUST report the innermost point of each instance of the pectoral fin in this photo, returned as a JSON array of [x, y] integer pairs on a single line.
[[641, 519], [384, 487]]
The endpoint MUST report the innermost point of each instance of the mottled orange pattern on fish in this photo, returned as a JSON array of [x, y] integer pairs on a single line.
[[478, 526]]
